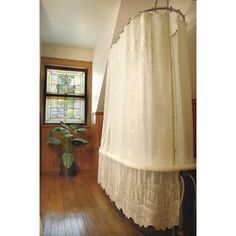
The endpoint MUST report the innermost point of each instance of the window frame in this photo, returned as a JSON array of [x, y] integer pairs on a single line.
[[85, 96]]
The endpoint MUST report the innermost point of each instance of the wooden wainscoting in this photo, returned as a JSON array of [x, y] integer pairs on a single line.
[[49, 154]]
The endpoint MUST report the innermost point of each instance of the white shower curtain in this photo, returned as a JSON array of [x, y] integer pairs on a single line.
[[147, 128]]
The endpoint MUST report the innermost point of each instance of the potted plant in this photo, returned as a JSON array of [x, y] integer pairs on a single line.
[[67, 136]]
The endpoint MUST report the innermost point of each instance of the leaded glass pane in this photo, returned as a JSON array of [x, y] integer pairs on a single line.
[[65, 82], [61, 89], [68, 110], [54, 78], [77, 113], [76, 104], [77, 89], [53, 103], [61, 77], [70, 89], [60, 102], [61, 112], [54, 88], [53, 112], [70, 103], [70, 113], [71, 79], [77, 80]]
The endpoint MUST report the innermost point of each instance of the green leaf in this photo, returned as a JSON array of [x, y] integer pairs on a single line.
[[67, 131], [55, 131], [74, 126], [51, 133], [60, 129], [54, 141], [64, 125], [68, 159], [68, 135], [79, 141], [80, 130]]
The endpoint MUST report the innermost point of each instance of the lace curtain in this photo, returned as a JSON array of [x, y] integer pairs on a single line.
[[147, 128]]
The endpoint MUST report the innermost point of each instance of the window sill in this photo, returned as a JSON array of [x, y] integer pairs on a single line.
[[57, 124]]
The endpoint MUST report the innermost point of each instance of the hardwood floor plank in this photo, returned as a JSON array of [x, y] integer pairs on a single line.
[[77, 206], [81, 224], [61, 226]]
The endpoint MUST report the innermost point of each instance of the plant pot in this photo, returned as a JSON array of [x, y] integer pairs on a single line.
[[72, 171]]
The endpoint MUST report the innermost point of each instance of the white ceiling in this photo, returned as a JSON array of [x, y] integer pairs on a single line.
[[78, 23], [73, 23]]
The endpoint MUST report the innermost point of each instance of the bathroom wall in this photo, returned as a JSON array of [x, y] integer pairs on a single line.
[[56, 51], [101, 53]]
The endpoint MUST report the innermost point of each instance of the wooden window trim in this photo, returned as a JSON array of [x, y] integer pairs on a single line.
[[46, 67], [66, 64]]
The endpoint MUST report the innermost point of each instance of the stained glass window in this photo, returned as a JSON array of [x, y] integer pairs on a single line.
[[65, 95]]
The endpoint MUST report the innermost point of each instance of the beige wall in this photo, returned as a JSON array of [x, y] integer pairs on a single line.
[[101, 54], [55, 51]]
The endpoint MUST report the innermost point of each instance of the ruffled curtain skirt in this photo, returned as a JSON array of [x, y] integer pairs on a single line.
[[148, 197]]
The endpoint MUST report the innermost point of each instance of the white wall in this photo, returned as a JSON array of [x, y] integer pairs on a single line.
[[101, 100], [50, 50], [101, 53]]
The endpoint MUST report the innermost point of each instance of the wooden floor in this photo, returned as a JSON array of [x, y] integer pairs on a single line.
[[75, 206]]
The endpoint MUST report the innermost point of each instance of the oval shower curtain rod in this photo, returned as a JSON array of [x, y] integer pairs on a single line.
[[155, 8], [167, 8], [159, 8]]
